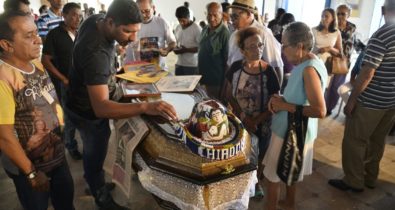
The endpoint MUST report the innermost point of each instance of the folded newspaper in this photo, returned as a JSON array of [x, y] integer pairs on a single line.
[[128, 134]]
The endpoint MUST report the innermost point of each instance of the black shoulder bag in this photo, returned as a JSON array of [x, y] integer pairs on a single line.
[[290, 162]]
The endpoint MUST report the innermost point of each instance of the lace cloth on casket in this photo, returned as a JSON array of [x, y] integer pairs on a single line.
[[231, 193]]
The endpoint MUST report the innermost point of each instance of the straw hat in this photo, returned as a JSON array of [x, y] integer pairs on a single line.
[[248, 5]]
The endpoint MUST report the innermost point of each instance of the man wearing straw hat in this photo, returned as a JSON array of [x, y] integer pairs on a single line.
[[242, 16]]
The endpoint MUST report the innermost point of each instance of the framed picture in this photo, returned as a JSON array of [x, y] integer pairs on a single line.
[[139, 90], [178, 83], [149, 49]]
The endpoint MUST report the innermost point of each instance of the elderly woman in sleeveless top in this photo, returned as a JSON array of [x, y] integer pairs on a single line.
[[305, 87], [328, 40]]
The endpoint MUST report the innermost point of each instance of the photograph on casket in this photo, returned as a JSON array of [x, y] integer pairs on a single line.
[[139, 90]]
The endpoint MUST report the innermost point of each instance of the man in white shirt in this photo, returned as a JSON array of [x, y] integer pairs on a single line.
[[187, 35], [242, 17], [155, 31]]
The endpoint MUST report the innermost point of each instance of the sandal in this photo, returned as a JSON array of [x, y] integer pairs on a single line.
[[259, 192]]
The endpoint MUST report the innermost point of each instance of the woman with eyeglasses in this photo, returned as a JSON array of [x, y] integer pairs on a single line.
[[328, 40], [305, 88], [347, 31], [249, 84]]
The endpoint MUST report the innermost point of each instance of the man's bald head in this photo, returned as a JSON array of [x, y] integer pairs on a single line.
[[214, 15], [214, 5]]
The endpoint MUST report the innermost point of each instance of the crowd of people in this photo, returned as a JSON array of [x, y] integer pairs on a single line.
[[260, 72]]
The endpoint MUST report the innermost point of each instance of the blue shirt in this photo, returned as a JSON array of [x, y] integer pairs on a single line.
[[295, 93], [47, 22]]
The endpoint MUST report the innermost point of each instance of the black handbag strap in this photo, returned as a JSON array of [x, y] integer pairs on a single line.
[[300, 122]]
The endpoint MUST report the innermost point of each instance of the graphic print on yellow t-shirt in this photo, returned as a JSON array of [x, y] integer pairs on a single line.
[[29, 102]]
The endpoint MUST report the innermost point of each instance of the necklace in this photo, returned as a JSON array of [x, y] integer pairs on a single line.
[[252, 70]]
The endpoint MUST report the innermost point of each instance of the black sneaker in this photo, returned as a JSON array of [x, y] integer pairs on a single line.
[[75, 154], [109, 186], [328, 113], [339, 184], [105, 201], [370, 186]]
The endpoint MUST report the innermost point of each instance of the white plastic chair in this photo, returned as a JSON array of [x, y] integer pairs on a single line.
[[344, 92]]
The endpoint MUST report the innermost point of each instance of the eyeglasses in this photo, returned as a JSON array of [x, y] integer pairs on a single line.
[[145, 11], [341, 14], [259, 45], [235, 16]]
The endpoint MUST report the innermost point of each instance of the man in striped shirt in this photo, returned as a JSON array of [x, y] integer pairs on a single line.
[[51, 19], [370, 109]]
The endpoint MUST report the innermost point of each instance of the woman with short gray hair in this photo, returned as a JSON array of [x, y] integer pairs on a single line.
[[305, 90], [299, 33]]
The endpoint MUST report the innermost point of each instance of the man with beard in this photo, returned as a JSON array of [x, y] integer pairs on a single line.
[[90, 97]]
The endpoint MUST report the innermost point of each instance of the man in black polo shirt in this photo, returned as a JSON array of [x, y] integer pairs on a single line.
[[56, 59], [89, 101]]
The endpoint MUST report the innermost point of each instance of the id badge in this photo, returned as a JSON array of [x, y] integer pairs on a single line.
[[47, 96]]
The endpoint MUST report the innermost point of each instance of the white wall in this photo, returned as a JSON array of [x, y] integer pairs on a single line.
[[307, 11], [270, 9], [35, 5], [167, 9], [377, 19]]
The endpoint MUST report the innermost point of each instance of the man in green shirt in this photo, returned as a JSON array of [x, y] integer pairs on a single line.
[[213, 51]]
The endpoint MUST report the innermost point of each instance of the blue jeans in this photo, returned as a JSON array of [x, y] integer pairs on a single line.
[[69, 128], [95, 135], [61, 190]]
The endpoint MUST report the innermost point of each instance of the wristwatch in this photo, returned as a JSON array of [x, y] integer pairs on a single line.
[[32, 175]]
